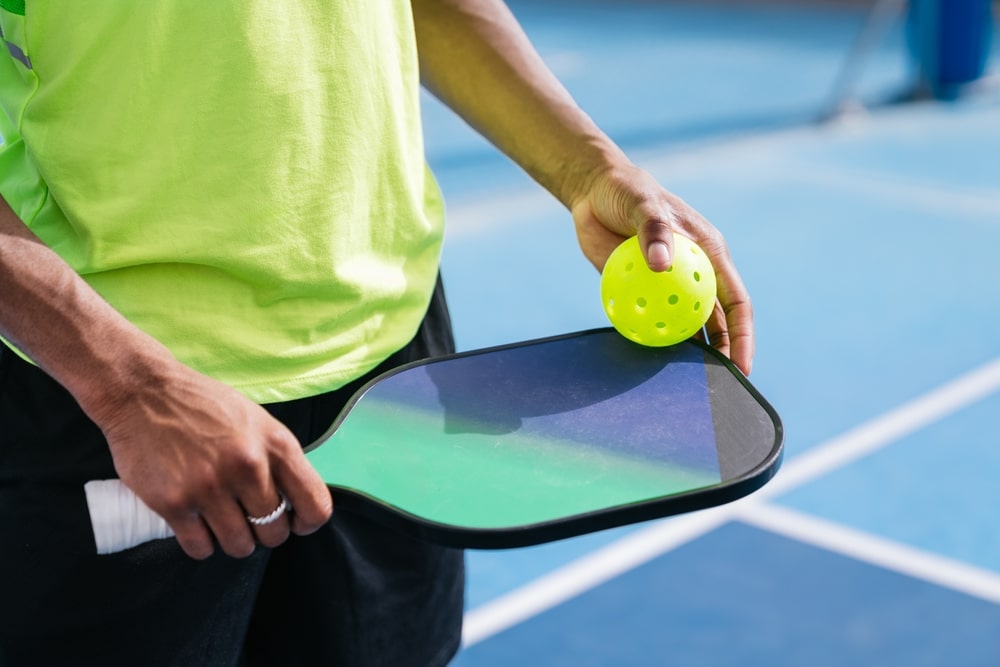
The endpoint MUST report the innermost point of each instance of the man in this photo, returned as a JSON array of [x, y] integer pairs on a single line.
[[217, 222]]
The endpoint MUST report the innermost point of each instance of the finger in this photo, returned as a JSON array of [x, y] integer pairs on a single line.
[[228, 523], [266, 508], [741, 344], [735, 302], [312, 504], [193, 536], [717, 330], [272, 525], [656, 239]]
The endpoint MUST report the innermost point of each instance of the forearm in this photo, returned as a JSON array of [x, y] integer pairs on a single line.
[[197, 451], [53, 316], [475, 57]]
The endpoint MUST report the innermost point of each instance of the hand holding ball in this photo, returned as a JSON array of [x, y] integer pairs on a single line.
[[658, 308]]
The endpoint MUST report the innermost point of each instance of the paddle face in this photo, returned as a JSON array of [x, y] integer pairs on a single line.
[[542, 440]]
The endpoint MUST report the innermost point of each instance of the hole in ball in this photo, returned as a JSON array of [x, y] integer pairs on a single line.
[[630, 266], [640, 302], [697, 277], [673, 299]]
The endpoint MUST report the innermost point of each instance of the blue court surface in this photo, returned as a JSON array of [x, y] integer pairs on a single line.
[[870, 247]]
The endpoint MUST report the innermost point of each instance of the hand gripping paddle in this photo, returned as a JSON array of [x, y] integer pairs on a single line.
[[528, 443]]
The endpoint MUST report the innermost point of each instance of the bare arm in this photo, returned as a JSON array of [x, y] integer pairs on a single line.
[[476, 58], [195, 450]]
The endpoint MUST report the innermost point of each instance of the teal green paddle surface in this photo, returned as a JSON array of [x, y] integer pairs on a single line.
[[542, 440]]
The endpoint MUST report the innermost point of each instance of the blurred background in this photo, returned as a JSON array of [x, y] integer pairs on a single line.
[[850, 153]]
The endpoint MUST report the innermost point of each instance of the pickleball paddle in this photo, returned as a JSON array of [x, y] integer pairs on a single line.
[[527, 443]]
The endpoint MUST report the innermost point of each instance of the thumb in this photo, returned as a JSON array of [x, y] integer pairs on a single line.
[[656, 239]]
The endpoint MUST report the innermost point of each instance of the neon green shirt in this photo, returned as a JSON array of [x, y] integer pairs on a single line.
[[242, 179]]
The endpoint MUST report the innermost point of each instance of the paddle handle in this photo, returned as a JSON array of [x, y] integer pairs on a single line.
[[120, 519]]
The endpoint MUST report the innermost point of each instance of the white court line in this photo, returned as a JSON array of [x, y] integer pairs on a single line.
[[980, 203], [947, 572], [585, 573], [660, 537], [880, 431]]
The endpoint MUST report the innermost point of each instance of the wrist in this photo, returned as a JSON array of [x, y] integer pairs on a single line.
[[579, 179], [115, 370]]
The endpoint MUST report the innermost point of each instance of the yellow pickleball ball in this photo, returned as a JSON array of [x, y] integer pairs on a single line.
[[658, 308]]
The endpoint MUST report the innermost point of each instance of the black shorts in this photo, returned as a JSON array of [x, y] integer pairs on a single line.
[[353, 593]]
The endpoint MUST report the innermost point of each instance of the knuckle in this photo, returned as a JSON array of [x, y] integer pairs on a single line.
[[193, 540], [198, 550], [312, 517], [247, 465], [713, 242], [239, 549], [281, 440], [236, 542], [176, 501], [655, 221], [741, 305], [719, 338], [273, 538]]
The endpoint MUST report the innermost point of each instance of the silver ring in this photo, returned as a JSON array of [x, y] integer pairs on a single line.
[[273, 516]]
